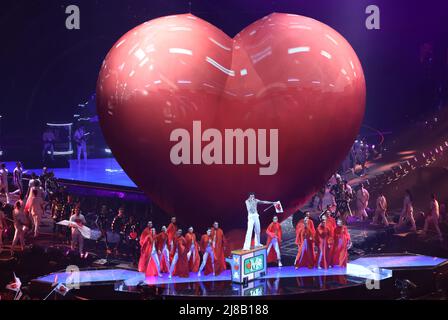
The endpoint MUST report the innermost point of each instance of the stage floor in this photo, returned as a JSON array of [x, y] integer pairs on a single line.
[[102, 171], [372, 267], [278, 281]]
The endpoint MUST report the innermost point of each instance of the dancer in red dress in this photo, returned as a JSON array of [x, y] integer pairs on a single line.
[[342, 243], [331, 222], [171, 231], [162, 250], [305, 234], [219, 245], [144, 252], [179, 265], [208, 256], [153, 264], [193, 250], [274, 233], [324, 242]]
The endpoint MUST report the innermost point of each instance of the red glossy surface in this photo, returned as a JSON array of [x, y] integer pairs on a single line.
[[284, 72]]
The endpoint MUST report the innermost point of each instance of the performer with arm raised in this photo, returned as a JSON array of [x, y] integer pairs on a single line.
[[253, 220]]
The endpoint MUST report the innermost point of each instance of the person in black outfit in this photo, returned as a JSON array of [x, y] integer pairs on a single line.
[[57, 212], [118, 228], [101, 222], [342, 197], [132, 230], [69, 205]]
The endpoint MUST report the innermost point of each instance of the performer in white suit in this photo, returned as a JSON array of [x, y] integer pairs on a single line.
[[433, 218], [362, 201], [253, 220]]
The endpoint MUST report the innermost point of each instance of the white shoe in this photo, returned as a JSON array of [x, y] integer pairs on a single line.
[[199, 274], [170, 276], [280, 264]]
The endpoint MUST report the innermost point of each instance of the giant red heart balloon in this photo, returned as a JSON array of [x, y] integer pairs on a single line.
[[284, 75]]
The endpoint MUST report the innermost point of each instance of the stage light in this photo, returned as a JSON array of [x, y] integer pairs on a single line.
[[59, 124], [61, 153]]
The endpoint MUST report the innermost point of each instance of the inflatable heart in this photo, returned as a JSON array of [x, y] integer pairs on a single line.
[[197, 119]]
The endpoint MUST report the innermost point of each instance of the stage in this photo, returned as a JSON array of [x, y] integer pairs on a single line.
[[278, 281], [105, 171]]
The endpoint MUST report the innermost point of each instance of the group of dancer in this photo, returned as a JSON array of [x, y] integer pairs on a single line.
[[343, 195], [170, 251], [325, 247], [28, 210]]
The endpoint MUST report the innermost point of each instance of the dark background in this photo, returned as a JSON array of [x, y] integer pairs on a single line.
[[48, 70]]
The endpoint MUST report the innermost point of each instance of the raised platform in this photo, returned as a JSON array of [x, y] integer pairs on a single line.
[[278, 281], [104, 171]]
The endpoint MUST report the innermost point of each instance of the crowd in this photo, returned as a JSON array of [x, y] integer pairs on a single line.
[[177, 253], [344, 197], [26, 213]]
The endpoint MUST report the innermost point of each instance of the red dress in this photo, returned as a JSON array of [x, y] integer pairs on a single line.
[[171, 232], [324, 243], [274, 229], [145, 253], [181, 267], [331, 224], [341, 243], [305, 242], [219, 240], [151, 269], [205, 240], [161, 240], [193, 264]]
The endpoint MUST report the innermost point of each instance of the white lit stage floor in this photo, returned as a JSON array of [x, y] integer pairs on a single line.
[[278, 281]]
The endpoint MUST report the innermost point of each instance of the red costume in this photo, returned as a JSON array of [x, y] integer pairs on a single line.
[[305, 241], [324, 242], [341, 244], [146, 263], [171, 232], [331, 224], [205, 241], [145, 253], [219, 244], [161, 240], [181, 267], [273, 230], [194, 262]]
